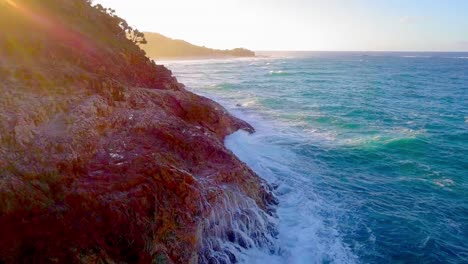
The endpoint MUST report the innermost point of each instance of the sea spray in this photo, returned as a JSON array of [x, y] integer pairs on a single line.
[[236, 224], [307, 230]]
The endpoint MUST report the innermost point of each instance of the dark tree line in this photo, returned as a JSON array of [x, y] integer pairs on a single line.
[[131, 33]]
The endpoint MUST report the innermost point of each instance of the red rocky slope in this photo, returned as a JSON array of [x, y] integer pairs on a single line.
[[105, 157], [85, 177]]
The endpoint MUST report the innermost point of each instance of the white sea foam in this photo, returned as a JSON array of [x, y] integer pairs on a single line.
[[385, 137], [415, 56], [444, 182], [249, 103], [276, 72], [304, 235], [236, 224]]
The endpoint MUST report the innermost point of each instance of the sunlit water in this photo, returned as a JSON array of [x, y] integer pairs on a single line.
[[369, 151]]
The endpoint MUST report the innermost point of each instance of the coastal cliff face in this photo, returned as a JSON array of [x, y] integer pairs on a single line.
[[105, 157]]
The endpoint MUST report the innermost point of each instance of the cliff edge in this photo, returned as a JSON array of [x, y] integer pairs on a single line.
[[105, 157]]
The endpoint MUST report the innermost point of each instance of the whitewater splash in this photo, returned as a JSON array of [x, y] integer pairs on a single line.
[[305, 236], [235, 225], [414, 56]]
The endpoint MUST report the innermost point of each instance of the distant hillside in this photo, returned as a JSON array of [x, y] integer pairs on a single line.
[[160, 46]]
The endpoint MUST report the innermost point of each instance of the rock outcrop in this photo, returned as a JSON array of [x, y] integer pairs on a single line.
[[106, 158]]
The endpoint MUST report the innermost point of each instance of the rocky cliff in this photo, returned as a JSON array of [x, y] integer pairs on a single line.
[[105, 157]]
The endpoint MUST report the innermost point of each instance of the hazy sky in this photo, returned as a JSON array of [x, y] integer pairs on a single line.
[[424, 25]]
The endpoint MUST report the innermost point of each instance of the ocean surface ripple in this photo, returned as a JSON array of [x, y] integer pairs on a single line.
[[368, 150]]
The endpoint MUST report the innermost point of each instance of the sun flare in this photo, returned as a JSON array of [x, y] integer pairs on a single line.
[[12, 3]]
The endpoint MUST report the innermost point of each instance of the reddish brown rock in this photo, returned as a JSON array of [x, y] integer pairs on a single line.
[[87, 178], [105, 157]]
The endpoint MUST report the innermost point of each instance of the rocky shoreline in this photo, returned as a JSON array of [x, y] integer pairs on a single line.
[[84, 175], [105, 157]]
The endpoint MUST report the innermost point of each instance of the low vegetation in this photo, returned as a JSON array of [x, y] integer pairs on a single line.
[[159, 46], [76, 40]]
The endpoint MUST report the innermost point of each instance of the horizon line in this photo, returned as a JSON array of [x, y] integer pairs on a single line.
[[369, 51]]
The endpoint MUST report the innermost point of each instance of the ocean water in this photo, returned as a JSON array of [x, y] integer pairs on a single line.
[[369, 151]]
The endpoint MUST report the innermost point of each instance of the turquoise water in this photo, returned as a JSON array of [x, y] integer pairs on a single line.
[[369, 150]]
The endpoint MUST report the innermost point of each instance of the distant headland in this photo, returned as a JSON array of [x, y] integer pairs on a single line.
[[162, 47]]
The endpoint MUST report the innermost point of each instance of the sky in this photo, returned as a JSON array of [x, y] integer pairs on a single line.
[[332, 25]]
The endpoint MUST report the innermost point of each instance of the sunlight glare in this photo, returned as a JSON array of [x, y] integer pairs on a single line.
[[13, 4]]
